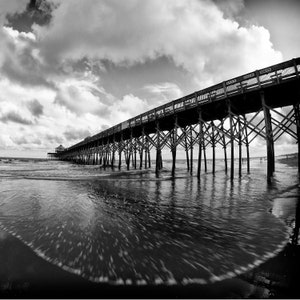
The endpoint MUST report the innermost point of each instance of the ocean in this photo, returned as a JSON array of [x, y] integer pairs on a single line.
[[130, 228]]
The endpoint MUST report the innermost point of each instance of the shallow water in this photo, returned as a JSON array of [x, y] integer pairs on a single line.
[[134, 228]]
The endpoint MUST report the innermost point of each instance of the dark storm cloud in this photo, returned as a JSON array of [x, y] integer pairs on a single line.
[[74, 134], [35, 107], [37, 12], [14, 117]]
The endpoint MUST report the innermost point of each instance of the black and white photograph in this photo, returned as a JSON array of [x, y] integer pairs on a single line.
[[149, 149]]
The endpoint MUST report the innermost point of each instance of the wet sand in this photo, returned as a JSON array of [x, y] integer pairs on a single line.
[[25, 275], [290, 160]]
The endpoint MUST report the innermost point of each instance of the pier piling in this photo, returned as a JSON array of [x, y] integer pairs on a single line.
[[269, 138]]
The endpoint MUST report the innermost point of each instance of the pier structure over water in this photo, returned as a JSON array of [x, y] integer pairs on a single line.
[[230, 115]]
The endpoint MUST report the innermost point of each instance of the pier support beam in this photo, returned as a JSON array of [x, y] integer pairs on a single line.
[[191, 150], [120, 159], [127, 158], [297, 118], [141, 148], [149, 157], [202, 146], [231, 140], [186, 150], [135, 155], [240, 146], [174, 146], [158, 165], [247, 144], [200, 143], [204, 155], [269, 138], [120, 147], [146, 152], [141, 158], [213, 145], [224, 147]]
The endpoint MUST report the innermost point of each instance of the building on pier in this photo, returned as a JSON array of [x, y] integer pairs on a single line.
[[58, 150]]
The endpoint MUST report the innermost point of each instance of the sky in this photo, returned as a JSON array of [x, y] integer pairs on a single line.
[[72, 68]]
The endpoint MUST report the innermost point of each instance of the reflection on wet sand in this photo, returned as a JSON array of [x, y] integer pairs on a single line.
[[280, 275], [295, 236]]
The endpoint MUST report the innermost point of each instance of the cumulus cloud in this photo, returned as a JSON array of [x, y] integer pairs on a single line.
[[15, 117], [26, 141], [163, 92], [52, 138], [20, 62], [194, 33], [8, 8], [231, 8], [128, 107], [81, 97], [35, 107], [76, 134], [63, 61], [20, 140]]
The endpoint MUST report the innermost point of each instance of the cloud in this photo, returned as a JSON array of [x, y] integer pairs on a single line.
[[128, 107], [53, 138], [38, 11], [231, 8], [80, 97], [67, 62], [20, 140], [76, 134], [29, 141], [14, 117], [163, 92], [194, 33], [35, 107], [8, 8], [11, 7], [20, 61], [2, 143]]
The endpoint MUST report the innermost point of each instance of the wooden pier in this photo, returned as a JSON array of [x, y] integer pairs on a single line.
[[230, 114]]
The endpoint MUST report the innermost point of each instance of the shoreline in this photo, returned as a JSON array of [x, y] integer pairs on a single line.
[[23, 274]]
